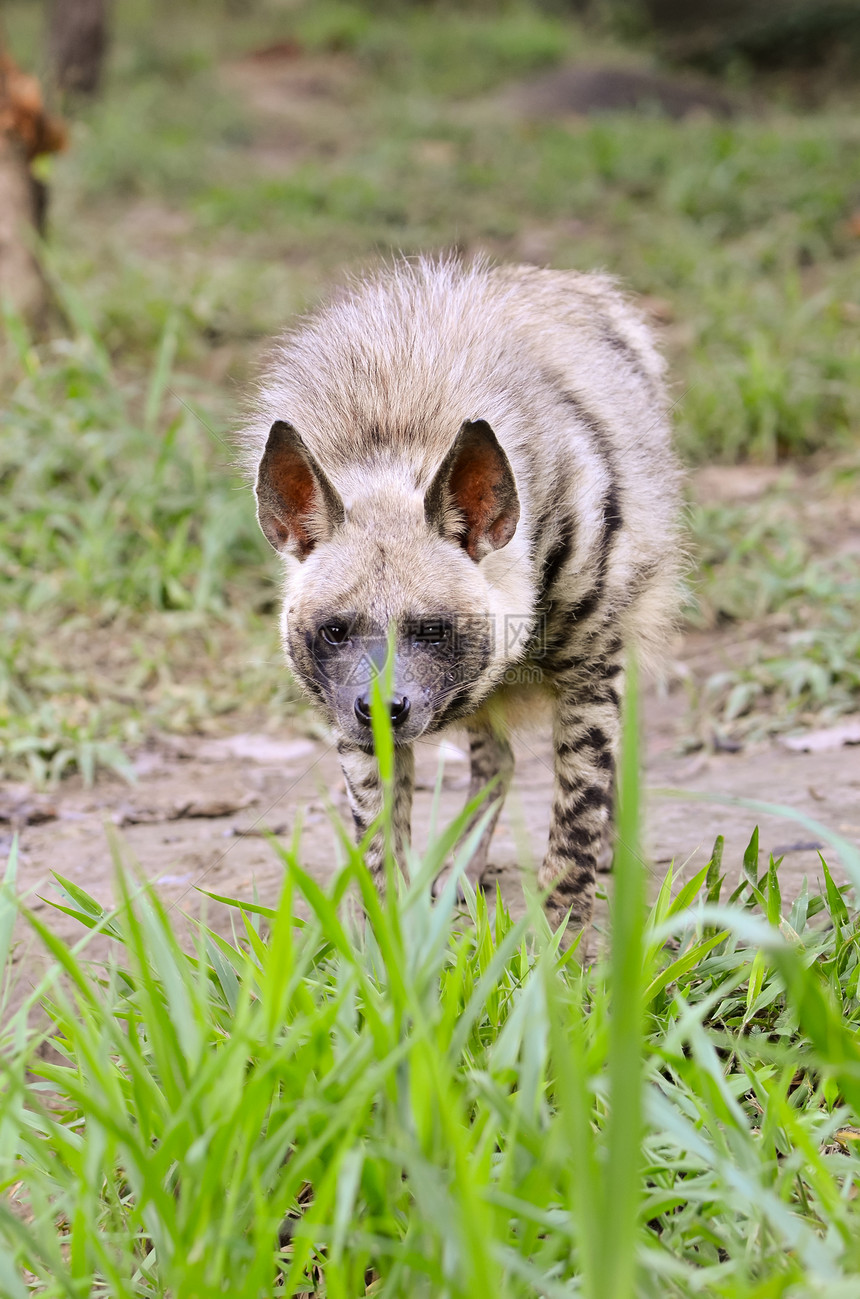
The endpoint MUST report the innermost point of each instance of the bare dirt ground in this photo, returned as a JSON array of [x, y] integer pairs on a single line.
[[198, 814]]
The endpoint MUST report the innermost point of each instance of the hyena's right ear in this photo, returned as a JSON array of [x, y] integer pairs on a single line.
[[296, 504], [473, 498]]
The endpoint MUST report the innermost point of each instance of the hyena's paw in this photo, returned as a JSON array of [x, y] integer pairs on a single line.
[[579, 918], [572, 895], [479, 881], [578, 927]]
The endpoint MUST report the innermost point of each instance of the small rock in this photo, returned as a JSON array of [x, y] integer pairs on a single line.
[[830, 737]]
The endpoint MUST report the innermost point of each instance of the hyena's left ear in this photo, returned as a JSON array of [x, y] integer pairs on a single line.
[[296, 504], [473, 498]]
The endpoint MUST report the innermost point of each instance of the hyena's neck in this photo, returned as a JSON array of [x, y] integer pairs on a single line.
[[510, 580]]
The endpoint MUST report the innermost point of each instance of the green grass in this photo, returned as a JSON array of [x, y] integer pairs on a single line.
[[117, 498], [452, 53], [127, 545], [436, 1103], [758, 569]]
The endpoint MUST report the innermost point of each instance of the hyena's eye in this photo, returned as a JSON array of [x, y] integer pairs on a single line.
[[335, 632], [431, 631]]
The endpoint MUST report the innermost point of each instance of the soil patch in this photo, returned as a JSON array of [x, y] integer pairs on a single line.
[[202, 808], [588, 88], [301, 105]]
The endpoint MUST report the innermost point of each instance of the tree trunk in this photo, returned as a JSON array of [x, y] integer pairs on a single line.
[[21, 282], [26, 131], [77, 42]]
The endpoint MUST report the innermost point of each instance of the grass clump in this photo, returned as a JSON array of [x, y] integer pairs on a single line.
[[109, 497], [125, 547], [757, 568], [421, 1107], [458, 54]]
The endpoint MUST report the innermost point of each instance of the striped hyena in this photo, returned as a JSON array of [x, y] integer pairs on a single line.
[[478, 459]]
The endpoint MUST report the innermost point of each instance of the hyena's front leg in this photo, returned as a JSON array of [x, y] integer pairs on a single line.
[[586, 733], [491, 758], [365, 794]]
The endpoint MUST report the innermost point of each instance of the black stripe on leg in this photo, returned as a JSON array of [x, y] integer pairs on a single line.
[[572, 840], [591, 797], [594, 738], [578, 879]]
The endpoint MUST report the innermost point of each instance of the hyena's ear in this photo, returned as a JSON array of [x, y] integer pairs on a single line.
[[473, 498], [296, 504]]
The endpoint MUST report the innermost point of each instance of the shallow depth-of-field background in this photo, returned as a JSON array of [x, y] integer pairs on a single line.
[[238, 162], [235, 167]]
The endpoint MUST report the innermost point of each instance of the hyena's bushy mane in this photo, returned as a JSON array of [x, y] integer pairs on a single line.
[[402, 357]]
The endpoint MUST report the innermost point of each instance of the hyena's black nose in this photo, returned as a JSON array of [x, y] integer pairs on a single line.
[[399, 709]]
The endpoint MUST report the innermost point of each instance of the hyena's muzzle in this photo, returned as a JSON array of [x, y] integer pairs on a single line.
[[420, 670]]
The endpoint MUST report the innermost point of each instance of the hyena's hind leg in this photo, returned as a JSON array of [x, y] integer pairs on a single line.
[[586, 733], [491, 758]]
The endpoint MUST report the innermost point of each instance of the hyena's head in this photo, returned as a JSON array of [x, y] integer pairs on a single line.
[[385, 562]]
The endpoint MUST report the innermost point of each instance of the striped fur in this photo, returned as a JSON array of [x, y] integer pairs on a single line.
[[476, 461]]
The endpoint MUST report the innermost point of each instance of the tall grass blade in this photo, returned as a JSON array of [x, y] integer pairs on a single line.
[[617, 1274]]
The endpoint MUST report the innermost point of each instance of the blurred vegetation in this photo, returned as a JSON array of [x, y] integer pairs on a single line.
[[239, 159], [769, 33], [796, 606]]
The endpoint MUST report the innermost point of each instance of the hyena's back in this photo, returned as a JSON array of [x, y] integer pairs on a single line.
[[565, 371]]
